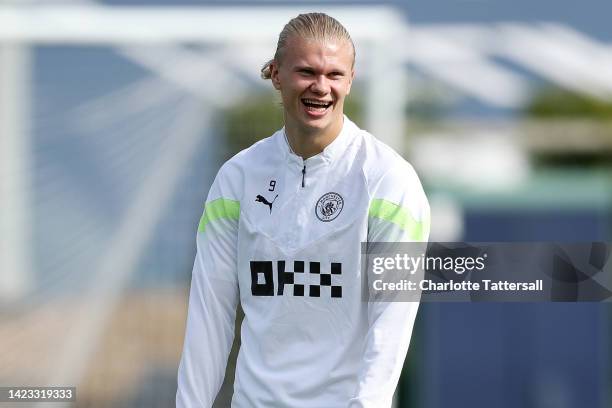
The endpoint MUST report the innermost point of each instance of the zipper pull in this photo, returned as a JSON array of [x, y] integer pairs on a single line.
[[303, 174]]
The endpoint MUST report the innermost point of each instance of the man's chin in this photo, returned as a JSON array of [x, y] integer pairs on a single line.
[[320, 123], [315, 125]]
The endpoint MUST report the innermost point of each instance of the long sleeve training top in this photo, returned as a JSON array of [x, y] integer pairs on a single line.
[[282, 236]]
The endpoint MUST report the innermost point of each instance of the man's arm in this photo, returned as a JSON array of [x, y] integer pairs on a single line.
[[398, 212], [212, 301]]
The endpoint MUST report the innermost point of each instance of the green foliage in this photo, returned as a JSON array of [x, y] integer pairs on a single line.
[[556, 102], [353, 107], [253, 119], [261, 114], [574, 118]]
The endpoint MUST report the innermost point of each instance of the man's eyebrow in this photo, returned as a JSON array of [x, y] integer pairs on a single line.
[[311, 69]]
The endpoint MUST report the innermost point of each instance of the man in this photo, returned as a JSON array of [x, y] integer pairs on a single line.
[[281, 233]]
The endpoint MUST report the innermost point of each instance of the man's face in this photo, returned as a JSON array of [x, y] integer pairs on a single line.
[[314, 77]]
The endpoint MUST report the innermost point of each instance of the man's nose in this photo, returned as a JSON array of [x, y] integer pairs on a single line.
[[320, 85]]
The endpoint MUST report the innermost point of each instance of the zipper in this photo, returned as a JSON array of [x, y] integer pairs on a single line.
[[303, 174]]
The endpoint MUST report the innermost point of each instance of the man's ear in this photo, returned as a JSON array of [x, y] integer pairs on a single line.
[[348, 91], [274, 75]]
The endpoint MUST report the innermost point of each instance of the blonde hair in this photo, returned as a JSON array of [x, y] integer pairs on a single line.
[[314, 26]]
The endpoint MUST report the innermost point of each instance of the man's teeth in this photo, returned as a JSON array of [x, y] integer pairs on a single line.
[[317, 103]]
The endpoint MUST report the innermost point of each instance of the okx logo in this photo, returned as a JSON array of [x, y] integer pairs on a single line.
[[262, 279]]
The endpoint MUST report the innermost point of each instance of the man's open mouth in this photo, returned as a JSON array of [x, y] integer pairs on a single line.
[[315, 105]]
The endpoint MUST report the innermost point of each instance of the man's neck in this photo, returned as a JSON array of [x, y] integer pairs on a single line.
[[310, 142]]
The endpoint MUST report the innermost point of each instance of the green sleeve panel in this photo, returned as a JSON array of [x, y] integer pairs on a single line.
[[220, 208], [401, 217]]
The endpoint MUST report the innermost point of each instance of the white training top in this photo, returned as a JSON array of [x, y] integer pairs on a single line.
[[283, 235]]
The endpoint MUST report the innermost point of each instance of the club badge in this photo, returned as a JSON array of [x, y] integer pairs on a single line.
[[329, 207]]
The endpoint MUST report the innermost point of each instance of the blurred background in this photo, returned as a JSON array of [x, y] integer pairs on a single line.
[[116, 115]]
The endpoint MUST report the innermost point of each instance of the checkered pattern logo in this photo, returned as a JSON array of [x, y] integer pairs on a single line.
[[262, 282]]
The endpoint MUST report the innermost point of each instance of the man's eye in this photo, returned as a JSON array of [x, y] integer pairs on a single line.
[[305, 72]]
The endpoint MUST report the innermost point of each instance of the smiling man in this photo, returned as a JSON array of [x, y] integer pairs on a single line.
[[281, 233]]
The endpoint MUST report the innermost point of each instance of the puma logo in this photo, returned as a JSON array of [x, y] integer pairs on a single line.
[[262, 199]]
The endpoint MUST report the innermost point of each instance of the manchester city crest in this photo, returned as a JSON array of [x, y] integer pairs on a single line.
[[329, 206]]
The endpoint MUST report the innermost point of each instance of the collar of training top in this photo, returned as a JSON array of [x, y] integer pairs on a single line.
[[330, 153]]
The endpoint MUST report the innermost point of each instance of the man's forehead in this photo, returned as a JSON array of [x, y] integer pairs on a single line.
[[304, 51]]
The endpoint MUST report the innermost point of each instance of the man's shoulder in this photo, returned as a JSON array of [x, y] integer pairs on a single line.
[[382, 160], [391, 178]]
